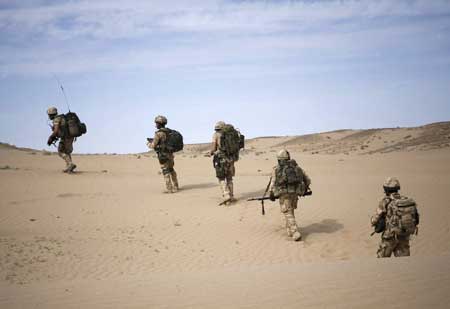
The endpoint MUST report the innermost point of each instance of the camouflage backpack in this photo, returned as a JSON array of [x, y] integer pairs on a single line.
[[289, 178], [402, 217], [174, 140], [230, 142], [75, 127]]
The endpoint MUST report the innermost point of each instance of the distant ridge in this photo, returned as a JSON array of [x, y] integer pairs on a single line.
[[369, 141], [344, 141]]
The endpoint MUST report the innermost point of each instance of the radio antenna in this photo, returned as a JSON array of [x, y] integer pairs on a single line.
[[62, 89]]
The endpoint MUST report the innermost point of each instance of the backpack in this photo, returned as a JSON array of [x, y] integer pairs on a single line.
[[174, 140], [241, 140], [402, 217], [289, 178], [74, 127], [230, 142]]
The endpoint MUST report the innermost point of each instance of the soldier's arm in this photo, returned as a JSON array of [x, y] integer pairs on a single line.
[[156, 141], [306, 178], [55, 130], [56, 127], [214, 144], [272, 180], [380, 212]]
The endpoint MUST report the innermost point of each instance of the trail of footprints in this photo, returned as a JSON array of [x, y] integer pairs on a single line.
[[21, 262]]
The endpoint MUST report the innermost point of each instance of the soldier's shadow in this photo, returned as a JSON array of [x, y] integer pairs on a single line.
[[77, 172], [248, 195], [327, 226], [199, 186]]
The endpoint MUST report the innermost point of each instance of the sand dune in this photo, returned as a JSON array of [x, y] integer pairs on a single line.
[[108, 237], [428, 137]]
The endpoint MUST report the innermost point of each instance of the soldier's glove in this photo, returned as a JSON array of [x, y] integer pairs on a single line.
[[272, 197], [50, 140]]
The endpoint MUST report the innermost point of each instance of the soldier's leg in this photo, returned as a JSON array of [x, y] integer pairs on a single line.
[[386, 247], [402, 248], [230, 186], [225, 189], [287, 204], [62, 152], [292, 225], [231, 172], [69, 150], [166, 171], [297, 235], [174, 178], [173, 175], [283, 208]]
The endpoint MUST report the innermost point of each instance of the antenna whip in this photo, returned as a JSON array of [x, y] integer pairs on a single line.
[[62, 89]]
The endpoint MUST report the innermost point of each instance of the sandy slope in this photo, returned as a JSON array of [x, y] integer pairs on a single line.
[[109, 237]]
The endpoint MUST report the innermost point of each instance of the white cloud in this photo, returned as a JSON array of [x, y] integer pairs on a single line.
[[83, 36]]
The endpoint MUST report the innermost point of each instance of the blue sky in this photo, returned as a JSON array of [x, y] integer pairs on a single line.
[[269, 67]]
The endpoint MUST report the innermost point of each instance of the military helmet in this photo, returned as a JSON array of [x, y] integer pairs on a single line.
[[161, 120], [52, 111], [391, 183], [219, 125], [283, 155]]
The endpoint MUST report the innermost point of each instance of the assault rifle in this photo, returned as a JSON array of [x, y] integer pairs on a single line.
[[265, 198], [54, 140], [380, 226]]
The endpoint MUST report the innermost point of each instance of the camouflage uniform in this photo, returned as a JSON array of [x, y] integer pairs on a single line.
[[391, 242], [166, 160], [227, 169], [65, 146], [289, 200]]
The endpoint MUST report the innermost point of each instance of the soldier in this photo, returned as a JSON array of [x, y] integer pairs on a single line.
[[397, 219], [224, 162], [165, 157], [288, 182], [59, 130]]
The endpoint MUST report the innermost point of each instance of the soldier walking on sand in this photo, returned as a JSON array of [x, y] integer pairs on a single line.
[[288, 182], [165, 155], [396, 218], [59, 130], [226, 143]]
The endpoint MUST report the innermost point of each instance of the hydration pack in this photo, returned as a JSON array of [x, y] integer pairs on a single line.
[[231, 141], [73, 126], [402, 217], [174, 140], [289, 178]]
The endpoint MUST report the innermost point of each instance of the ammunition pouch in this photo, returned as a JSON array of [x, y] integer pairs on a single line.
[[221, 165], [168, 170]]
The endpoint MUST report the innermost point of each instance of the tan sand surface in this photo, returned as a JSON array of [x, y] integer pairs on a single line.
[[107, 237]]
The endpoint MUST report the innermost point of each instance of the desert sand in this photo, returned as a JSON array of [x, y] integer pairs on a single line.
[[108, 237]]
